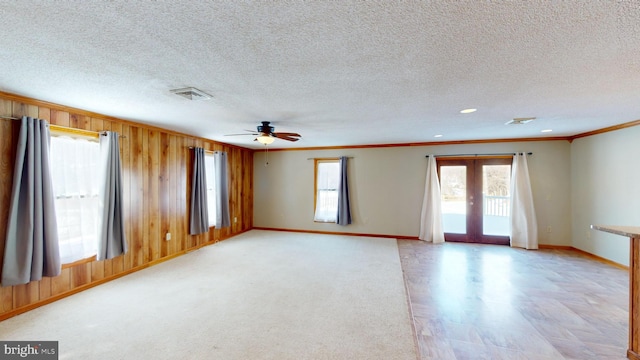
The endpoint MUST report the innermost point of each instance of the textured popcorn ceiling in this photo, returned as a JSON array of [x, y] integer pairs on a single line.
[[339, 73]]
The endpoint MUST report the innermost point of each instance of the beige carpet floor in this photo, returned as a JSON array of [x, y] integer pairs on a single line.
[[259, 295]]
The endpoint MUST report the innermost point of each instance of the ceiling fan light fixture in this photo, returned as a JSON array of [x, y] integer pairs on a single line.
[[265, 139]]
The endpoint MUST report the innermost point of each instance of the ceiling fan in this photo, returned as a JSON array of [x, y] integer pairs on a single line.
[[266, 135]]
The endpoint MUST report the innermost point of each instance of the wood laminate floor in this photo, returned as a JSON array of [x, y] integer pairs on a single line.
[[494, 302]]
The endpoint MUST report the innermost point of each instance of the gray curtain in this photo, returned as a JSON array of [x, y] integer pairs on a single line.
[[111, 239], [199, 216], [222, 190], [344, 208], [31, 246]]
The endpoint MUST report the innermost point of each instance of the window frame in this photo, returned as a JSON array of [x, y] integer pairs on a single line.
[[210, 177], [316, 163], [79, 134]]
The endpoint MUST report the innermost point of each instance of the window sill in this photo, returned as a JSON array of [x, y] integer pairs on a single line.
[[79, 262]]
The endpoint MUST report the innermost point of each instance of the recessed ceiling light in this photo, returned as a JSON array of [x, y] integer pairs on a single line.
[[439, 135], [547, 130], [468, 111]]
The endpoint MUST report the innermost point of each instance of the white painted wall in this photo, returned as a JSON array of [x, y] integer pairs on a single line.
[[604, 177], [387, 186]]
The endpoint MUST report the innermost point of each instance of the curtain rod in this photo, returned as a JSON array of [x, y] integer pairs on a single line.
[[208, 151], [66, 128], [496, 154], [330, 157], [104, 133]]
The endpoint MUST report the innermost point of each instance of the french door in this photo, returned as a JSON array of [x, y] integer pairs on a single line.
[[475, 199]]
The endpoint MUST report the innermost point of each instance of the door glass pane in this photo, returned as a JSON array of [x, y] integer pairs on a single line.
[[453, 180], [495, 199]]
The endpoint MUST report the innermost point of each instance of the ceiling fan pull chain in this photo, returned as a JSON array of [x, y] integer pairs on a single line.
[[266, 155]]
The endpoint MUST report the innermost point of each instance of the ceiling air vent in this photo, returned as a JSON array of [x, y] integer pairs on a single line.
[[192, 94], [519, 121]]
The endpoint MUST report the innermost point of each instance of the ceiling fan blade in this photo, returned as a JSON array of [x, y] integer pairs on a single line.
[[253, 134], [288, 138], [279, 134], [267, 130]]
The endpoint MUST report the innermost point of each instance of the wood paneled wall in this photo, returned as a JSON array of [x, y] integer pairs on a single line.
[[156, 167]]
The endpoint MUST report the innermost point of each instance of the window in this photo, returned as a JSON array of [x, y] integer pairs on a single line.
[[209, 165], [75, 175], [327, 179]]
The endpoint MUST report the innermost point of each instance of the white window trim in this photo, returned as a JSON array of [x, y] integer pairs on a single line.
[[321, 213], [83, 201], [211, 186]]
